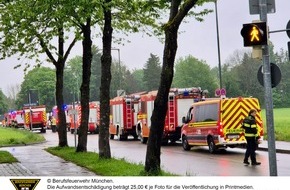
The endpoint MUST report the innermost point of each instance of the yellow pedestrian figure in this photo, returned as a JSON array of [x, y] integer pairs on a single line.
[[255, 34]]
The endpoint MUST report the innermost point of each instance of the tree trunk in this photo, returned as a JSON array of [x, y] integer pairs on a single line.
[[106, 61], [62, 131], [85, 87], [152, 162]]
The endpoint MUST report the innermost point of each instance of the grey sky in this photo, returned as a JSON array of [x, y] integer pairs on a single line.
[[198, 39]]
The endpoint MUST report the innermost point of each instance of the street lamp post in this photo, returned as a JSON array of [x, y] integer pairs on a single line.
[[218, 44]]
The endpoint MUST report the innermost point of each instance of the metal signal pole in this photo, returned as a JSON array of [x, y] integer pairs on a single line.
[[268, 96]]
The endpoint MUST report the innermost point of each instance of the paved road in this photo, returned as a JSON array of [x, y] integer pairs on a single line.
[[34, 161]]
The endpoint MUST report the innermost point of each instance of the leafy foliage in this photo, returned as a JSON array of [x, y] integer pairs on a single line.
[[152, 72], [191, 72]]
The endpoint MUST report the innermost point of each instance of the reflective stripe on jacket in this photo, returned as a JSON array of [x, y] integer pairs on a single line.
[[250, 127]]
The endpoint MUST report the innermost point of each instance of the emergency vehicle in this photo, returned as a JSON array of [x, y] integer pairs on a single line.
[[123, 116], [178, 101], [9, 119], [67, 109], [35, 118], [217, 123], [94, 118], [19, 118]]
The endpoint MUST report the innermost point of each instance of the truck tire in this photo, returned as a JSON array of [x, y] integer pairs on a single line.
[[211, 145], [185, 144]]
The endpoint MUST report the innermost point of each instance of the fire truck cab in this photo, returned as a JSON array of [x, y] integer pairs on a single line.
[[217, 123], [123, 116], [178, 99]]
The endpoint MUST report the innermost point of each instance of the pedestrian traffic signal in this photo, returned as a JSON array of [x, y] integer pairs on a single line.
[[255, 34]]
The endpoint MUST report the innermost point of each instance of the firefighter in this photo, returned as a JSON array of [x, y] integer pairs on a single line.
[[53, 124], [251, 134]]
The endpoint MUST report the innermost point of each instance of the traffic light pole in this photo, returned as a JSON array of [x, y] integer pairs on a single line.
[[268, 97]]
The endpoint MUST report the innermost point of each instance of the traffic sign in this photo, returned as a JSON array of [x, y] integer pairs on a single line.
[[288, 29], [275, 75], [254, 6]]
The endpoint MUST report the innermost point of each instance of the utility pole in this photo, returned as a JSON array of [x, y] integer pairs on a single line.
[[268, 96]]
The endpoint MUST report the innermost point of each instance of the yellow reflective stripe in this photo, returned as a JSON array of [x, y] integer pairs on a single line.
[[252, 126], [250, 135]]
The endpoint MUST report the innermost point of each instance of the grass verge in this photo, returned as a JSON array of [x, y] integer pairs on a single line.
[[10, 137], [6, 157], [281, 124], [102, 167]]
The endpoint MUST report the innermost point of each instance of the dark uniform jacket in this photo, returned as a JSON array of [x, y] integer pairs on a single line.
[[249, 124]]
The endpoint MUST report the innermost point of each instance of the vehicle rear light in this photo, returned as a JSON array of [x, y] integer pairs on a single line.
[[166, 128], [220, 129]]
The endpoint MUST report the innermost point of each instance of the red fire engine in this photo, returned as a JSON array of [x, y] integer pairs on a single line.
[[123, 116], [94, 117], [178, 100], [35, 118], [67, 109], [19, 118]]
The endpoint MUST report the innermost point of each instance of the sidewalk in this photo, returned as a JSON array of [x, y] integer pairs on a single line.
[[35, 161], [281, 147]]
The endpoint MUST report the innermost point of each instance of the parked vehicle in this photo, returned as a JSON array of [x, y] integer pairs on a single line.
[[35, 118], [217, 123], [94, 117], [123, 116], [67, 109], [178, 101]]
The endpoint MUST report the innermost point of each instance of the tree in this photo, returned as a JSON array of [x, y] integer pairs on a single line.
[[41, 80], [3, 105], [72, 79], [152, 71], [190, 72], [29, 29], [129, 16], [178, 10]]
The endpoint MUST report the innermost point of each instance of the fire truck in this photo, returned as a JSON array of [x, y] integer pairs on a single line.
[[94, 117], [19, 118], [67, 109], [217, 123], [35, 118], [123, 116], [178, 101]]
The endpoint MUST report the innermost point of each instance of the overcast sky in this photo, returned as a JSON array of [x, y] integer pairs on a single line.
[[198, 39]]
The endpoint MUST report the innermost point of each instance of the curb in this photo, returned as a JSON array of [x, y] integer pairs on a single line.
[[277, 150]]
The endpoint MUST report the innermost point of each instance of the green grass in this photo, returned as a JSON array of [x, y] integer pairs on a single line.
[[103, 167], [10, 136], [6, 157], [281, 119]]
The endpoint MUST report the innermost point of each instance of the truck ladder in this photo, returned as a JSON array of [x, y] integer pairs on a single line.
[[171, 111], [129, 114]]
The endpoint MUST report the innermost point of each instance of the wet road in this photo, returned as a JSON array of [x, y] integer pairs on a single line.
[[196, 162]]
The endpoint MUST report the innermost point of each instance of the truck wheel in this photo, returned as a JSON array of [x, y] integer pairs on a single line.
[[111, 136], [43, 130], [211, 146], [185, 144], [72, 131]]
